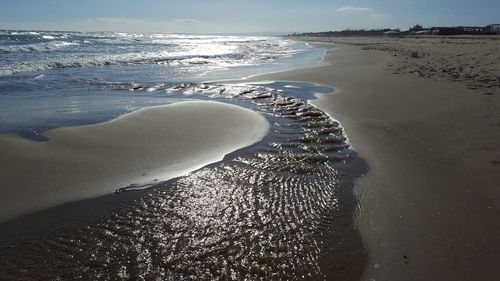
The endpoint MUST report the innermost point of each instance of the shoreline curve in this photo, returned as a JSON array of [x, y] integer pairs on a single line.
[[143, 147]]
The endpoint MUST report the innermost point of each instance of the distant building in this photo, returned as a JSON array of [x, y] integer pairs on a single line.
[[422, 32], [416, 28], [461, 30], [392, 33], [494, 28]]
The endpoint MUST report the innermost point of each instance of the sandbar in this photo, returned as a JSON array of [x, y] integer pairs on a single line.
[[140, 148]]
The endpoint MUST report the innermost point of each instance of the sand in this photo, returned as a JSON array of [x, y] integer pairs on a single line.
[[140, 148], [473, 60], [429, 204]]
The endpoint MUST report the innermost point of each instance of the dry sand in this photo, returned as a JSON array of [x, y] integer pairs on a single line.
[[430, 202], [142, 147], [473, 60]]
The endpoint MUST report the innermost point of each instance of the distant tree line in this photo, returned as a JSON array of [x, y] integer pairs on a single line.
[[463, 30], [417, 29], [347, 32]]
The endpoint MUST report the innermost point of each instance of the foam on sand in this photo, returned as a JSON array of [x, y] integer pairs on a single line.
[[140, 148]]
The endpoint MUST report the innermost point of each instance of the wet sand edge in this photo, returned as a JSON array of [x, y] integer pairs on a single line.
[[424, 167], [178, 138]]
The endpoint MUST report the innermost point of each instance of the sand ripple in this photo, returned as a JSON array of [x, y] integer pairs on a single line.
[[269, 212]]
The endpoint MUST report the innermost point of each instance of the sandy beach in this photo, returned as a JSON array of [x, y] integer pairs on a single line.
[[140, 148], [429, 205], [472, 60], [427, 126], [250, 140]]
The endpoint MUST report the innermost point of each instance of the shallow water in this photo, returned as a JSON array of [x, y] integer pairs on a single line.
[[279, 210], [54, 79]]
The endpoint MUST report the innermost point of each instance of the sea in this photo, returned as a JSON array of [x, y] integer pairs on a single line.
[[279, 210], [53, 79]]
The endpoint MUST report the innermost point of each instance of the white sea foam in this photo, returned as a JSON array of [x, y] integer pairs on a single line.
[[70, 50]]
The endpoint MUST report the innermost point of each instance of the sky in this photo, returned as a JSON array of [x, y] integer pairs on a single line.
[[241, 16]]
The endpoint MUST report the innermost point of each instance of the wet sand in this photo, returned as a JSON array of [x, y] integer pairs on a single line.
[[429, 205], [137, 149], [276, 210]]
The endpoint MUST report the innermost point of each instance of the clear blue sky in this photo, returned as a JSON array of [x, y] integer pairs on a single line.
[[214, 16]]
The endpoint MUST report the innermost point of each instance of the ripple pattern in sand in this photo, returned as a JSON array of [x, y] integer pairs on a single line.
[[265, 213]]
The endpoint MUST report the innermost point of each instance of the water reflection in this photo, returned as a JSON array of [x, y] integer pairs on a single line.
[[268, 212]]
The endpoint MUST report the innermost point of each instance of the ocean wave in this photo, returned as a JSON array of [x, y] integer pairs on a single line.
[[38, 47], [27, 51], [217, 61], [218, 58]]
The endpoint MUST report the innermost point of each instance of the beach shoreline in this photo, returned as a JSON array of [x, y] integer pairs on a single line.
[[427, 205], [289, 189], [135, 150]]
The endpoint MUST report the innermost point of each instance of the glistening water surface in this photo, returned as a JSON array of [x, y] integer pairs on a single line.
[[268, 212], [278, 210], [53, 79]]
